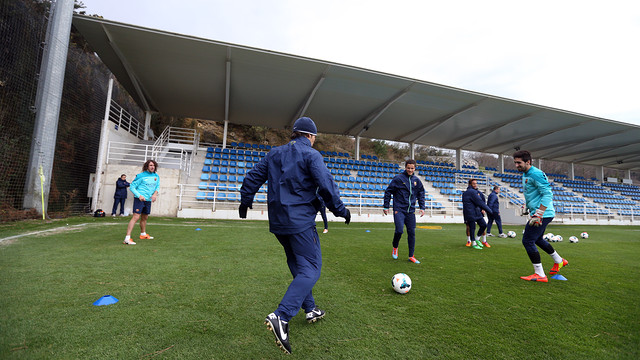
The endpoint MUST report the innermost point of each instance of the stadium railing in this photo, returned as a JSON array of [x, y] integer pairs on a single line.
[[136, 154]]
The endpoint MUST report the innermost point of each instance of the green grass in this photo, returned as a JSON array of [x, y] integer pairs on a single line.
[[204, 294]]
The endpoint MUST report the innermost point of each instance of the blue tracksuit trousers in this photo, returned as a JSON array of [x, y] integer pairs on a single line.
[[402, 219], [304, 258]]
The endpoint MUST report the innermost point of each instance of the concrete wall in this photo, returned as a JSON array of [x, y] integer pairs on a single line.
[[165, 205]]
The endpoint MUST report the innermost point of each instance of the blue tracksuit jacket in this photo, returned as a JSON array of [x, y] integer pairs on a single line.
[[493, 203], [294, 172], [472, 203], [405, 190], [121, 189]]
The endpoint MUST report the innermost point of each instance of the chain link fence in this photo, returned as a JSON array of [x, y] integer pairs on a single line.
[[23, 25]]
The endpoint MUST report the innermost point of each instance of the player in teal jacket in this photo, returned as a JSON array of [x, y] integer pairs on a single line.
[[145, 190], [539, 203]]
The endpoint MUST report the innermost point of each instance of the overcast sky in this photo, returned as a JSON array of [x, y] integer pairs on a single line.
[[580, 56]]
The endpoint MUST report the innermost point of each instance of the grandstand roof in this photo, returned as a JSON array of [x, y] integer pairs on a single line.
[[193, 77]]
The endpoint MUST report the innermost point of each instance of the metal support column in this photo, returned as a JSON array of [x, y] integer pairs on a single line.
[[224, 136], [600, 174], [147, 124], [102, 149], [572, 173]]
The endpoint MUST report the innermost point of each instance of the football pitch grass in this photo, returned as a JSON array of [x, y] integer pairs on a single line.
[[204, 294]]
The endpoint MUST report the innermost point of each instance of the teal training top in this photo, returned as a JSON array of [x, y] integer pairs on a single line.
[[537, 191], [145, 184]]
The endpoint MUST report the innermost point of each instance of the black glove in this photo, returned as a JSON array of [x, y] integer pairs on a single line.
[[347, 218], [242, 210]]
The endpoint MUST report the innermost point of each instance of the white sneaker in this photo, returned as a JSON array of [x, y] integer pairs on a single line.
[[128, 242], [489, 234], [325, 231], [503, 235]]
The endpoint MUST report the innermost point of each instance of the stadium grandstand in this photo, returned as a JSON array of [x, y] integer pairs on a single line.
[[235, 84]]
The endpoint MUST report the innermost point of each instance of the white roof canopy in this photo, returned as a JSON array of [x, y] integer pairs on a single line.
[[193, 77]]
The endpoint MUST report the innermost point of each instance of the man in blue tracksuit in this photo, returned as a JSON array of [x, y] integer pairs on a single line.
[[494, 204], [539, 203], [296, 175], [472, 206], [145, 191], [120, 196], [405, 188]]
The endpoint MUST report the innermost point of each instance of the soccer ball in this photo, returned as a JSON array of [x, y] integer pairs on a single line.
[[511, 234], [556, 238], [401, 283], [573, 240], [548, 236], [584, 235]]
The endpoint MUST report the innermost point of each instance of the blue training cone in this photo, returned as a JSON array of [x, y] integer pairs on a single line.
[[105, 300], [198, 229], [559, 277], [368, 231]]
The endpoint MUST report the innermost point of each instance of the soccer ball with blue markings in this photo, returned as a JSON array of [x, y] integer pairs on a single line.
[[511, 234], [401, 283]]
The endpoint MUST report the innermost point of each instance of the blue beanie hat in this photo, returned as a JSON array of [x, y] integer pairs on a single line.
[[305, 125]]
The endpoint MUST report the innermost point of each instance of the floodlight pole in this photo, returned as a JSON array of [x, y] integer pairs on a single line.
[[47, 106]]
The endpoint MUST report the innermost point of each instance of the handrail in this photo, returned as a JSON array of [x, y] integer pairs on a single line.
[[124, 152], [124, 120]]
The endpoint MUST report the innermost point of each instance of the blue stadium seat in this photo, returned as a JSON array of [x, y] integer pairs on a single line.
[[201, 195], [203, 185]]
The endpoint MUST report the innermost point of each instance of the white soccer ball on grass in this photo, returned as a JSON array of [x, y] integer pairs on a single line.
[[584, 235], [573, 240], [401, 283], [511, 234]]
